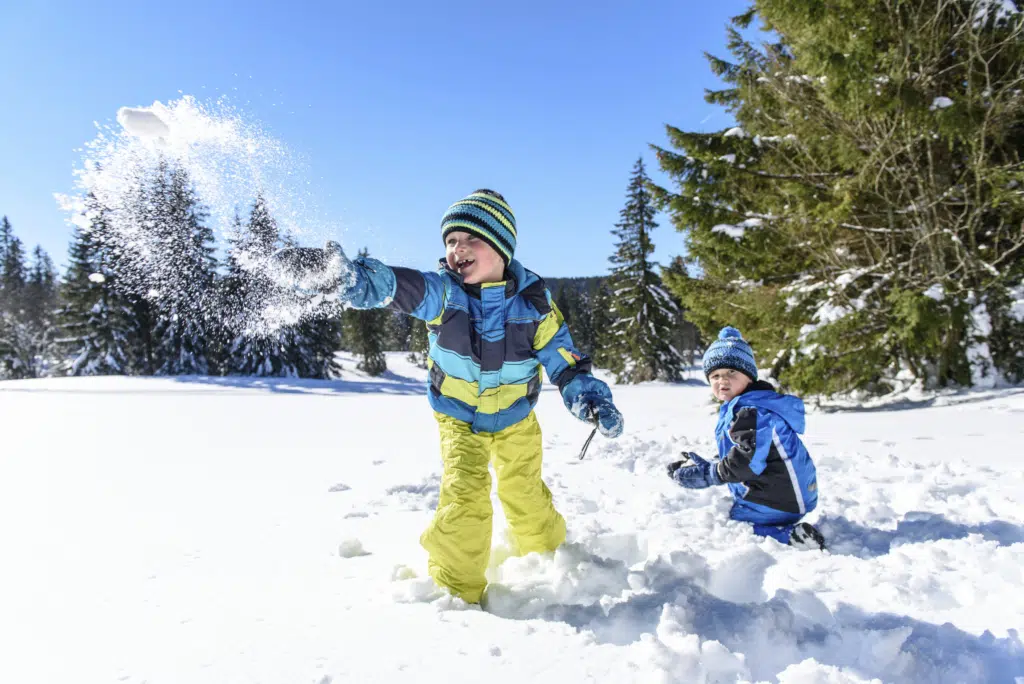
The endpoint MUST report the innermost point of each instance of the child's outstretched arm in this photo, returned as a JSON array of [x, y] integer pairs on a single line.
[[586, 397], [751, 435], [362, 283]]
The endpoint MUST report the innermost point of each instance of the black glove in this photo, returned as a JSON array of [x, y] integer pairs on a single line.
[[672, 467], [699, 475]]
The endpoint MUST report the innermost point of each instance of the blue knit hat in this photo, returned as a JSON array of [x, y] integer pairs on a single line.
[[486, 215], [730, 350]]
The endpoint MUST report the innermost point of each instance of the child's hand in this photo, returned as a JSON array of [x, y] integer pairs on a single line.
[[590, 400], [698, 476], [609, 420], [672, 467], [310, 270]]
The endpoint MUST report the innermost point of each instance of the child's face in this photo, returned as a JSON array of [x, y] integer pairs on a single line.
[[473, 259], [727, 383]]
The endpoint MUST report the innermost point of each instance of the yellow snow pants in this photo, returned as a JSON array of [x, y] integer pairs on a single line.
[[459, 537]]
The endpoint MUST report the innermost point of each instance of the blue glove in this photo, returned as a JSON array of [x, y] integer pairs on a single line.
[[590, 400], [697, 476], [361, 284]]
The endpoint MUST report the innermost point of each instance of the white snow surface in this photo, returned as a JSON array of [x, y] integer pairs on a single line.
[[254, 530]]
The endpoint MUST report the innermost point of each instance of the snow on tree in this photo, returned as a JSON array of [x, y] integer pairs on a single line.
[[876, 157], [305, 349], [93, 319], [184, 275]]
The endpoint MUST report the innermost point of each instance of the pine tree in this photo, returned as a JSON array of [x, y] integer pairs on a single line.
[[316, 339], [863, 219], [604, 350], [184, 278], [138, 280], [12, 272], [643, 313], [419, 344], [93, 319], [247, 291], [575, 298], [686, 337], [365, 334], [305, 349], [41, 289], [18, 342]]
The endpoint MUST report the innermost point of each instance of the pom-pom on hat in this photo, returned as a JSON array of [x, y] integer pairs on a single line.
[[730, 350], [485, 214]]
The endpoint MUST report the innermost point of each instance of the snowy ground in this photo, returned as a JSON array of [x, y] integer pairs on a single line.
[[212, 530]]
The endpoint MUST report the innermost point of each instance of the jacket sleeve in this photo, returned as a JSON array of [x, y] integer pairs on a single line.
[[751, 434], [418, 294], [377, 285], [555, 349]]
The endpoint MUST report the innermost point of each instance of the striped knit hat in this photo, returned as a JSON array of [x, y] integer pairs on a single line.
[[730, 350], [486, 215]]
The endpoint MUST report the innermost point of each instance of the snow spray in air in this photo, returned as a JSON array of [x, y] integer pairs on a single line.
[[137, 176]]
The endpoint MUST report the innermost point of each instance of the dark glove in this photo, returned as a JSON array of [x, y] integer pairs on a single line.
[[697, 476], [312, 271], [672, 467]]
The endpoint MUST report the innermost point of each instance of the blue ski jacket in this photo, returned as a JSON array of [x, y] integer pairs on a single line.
[[763, 459], [487, 342]]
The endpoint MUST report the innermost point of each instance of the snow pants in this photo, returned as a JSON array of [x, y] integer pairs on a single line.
[[767, 522], [458, 539]]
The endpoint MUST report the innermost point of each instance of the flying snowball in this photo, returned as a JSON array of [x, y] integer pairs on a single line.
[[142, 122], [96, 278]]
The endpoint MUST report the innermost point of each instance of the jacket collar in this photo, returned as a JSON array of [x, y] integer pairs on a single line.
[[515, 275]]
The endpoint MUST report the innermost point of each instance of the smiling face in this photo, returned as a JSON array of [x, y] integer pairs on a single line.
[[472, 258], [727, 383]]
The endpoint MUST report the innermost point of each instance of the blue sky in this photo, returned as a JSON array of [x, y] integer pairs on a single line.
[[398, 108]]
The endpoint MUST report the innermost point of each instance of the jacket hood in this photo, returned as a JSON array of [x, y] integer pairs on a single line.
[[786, 406]]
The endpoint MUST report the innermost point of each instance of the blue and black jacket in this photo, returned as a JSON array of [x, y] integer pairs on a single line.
[[487, 342], [763, 460]]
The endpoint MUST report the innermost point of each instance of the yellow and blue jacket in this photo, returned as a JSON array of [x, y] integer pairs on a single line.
[[487, 342]]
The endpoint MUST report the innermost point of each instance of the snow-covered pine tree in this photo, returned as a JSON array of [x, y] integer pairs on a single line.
[[39, 314], [246, 292], [304, 350], [365, 332], [184, 277], [41, 289], [643, 314], [863, 219], [93, 320], [12, 268], [16, 341], [316, 339]]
